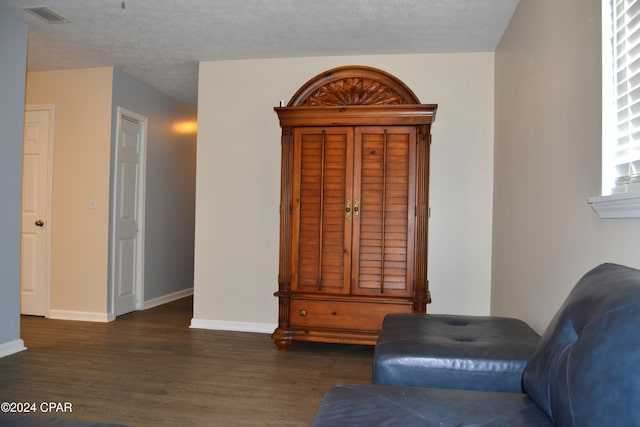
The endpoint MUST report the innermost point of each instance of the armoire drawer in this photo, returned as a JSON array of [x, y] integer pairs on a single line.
[[342, 314]]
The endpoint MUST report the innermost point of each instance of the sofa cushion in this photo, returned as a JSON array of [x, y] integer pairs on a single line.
[[585, 371], [378, 406], [453, 351]]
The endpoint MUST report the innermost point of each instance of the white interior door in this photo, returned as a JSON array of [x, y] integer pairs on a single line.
[[36, 229], [128, 213]]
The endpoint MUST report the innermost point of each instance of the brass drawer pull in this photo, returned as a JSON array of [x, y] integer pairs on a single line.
[[303, 313]]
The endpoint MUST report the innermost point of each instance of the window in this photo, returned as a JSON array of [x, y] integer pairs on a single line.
[[621, 96], [620, 111]]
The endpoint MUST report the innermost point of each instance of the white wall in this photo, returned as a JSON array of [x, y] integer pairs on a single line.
[[548, 161], [13, 51], [82, 145], [238, 180]]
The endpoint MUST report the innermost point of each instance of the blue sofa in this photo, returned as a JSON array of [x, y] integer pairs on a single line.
[[584, 372]]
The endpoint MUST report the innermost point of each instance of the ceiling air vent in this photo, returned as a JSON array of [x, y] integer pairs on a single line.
[[47, 15]]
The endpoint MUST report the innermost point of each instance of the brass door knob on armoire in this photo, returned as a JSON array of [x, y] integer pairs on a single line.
[[353, 208]]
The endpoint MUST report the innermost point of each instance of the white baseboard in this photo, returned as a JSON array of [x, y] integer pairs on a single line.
[[166, 298], [12, 347], [83, 316], [224, 325]]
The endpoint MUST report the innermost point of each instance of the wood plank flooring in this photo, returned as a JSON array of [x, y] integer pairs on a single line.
[[148, 369]]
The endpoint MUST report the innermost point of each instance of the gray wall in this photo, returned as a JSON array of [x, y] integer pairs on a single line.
[[13, 51], [170, 185]]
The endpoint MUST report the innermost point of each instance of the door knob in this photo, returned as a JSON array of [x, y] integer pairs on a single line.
[[40, 223]]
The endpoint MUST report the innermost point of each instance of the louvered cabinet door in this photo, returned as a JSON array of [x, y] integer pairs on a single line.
[[385, 195], [322, 184]]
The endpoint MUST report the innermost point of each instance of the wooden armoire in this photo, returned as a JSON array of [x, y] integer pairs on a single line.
[[354, 206]]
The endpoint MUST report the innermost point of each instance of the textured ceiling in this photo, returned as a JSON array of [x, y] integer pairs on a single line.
[[162, 41]]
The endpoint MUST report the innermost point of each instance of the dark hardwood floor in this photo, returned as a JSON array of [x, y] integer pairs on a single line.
[[149, 369]]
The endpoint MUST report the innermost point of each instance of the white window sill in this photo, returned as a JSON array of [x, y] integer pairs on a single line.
[[624, 205]]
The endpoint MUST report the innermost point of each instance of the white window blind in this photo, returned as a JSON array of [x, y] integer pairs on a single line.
[[624, 154]]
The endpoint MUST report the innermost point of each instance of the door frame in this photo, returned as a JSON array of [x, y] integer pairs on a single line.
[[46, 287], [139, 286]]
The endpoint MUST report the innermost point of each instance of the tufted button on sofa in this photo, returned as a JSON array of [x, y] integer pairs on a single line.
[[583, 373]]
